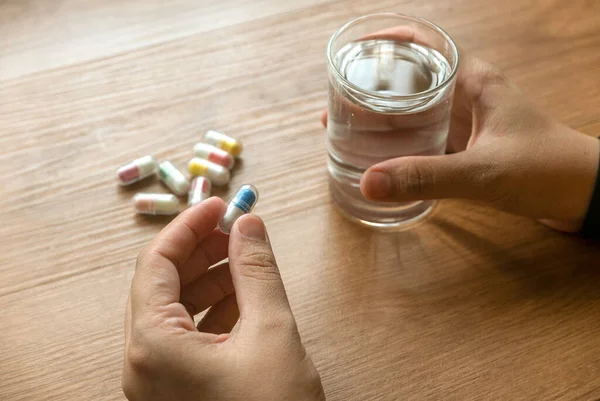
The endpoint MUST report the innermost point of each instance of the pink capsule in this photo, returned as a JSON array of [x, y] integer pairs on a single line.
[[136, 170], [156, 204], [199, 191], [214, 154]]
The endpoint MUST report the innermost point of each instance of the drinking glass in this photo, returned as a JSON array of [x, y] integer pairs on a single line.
[[391, 83]]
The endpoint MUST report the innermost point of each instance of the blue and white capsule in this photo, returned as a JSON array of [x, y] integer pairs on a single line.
[[242, 202]]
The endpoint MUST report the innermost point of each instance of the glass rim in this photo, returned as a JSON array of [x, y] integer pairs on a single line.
[[419, 20]]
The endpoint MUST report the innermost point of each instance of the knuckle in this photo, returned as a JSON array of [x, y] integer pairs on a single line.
[[492, 79], [139, 356], [485, 72], [416, 179], [491, 75], [260, 265], [483, 79]]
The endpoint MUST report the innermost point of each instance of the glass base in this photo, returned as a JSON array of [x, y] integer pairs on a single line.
[[345, 191], [404, 219]]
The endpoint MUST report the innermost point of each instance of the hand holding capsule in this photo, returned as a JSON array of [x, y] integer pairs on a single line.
[[168, 357]]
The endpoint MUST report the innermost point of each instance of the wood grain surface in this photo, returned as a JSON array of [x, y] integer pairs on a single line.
[[470, 304]]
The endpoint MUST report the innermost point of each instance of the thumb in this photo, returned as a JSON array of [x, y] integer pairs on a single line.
[[414, 178], [259, 289]]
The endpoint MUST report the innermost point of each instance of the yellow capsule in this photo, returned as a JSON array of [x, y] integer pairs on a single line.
[[219, 175], [225, 142]]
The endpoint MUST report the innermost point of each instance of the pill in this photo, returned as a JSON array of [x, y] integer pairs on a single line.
[[199, 191], [214, 154], [241, 203], [173, 178], [219, 175], [136, 170], [156, 204], [222, 141]]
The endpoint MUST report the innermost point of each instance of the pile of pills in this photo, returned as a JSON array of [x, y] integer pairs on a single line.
[[211, 165]]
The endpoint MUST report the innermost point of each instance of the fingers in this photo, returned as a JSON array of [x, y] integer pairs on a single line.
[[209, 289], [324, 118], [178, 240], [221, 317], [404, 33], [475, 75], [156, 281], [425, 177], [209, 252], [261, 296]]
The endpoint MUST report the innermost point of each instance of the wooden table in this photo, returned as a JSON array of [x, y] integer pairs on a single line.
[[471, 304]]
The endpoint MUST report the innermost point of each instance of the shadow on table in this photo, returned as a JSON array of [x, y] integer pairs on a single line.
[[542, 264], [461, 256], [148, 220]]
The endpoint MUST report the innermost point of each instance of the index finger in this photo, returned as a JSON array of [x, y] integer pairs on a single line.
[[156, 281]]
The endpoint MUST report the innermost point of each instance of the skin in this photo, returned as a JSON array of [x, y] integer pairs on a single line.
[[503, 151], [168, 357]]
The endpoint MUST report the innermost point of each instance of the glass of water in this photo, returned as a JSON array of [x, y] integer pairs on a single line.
[[391, 83]]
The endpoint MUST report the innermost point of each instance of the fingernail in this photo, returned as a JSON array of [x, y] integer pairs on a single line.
[[377, 184], [253, 227]]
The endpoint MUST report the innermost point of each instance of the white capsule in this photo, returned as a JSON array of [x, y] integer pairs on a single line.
[[241, 203], [214, 154], [219, 175], [199, 191], [156, 204], [136, 170], [225, 142], [173, 178]]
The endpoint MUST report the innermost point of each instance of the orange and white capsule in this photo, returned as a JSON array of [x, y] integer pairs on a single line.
[[136, 170], [156, 204], [214, 154], [222, 141], [217, 174], [199, 191]]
